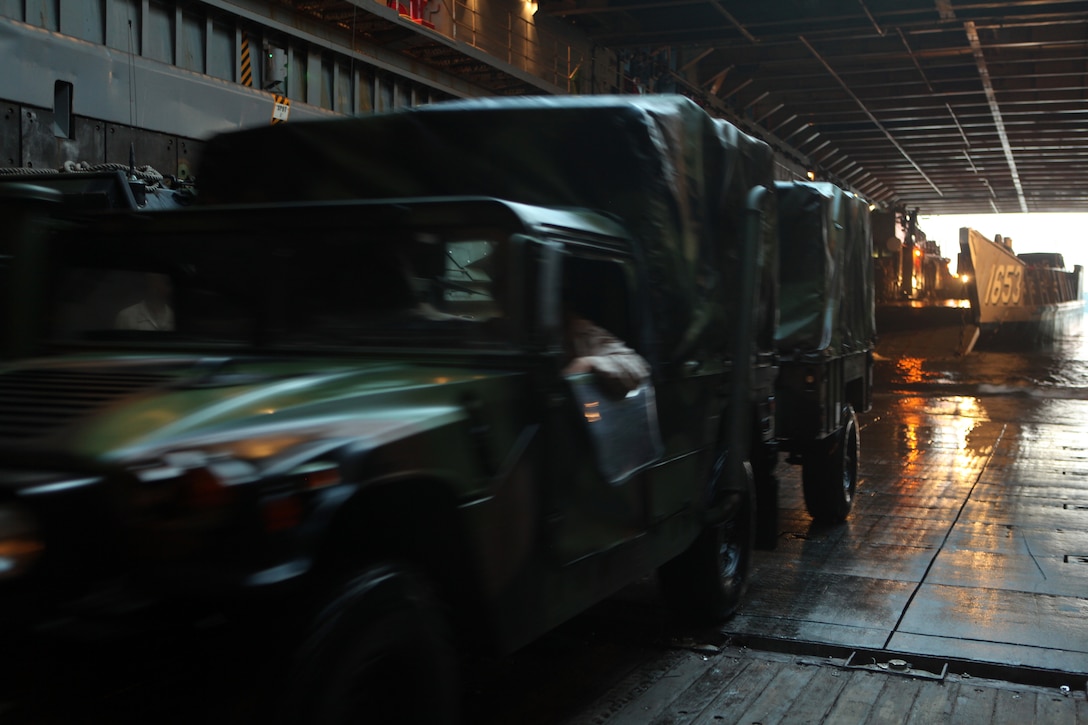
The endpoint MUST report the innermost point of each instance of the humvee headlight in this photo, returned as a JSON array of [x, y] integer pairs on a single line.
[[196, 481], [20, 545], [195, 489]]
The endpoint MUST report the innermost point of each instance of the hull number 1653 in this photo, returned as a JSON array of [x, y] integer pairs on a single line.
[[1004, 285]]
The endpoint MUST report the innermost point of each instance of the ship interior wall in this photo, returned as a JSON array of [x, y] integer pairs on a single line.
[[87, 78]]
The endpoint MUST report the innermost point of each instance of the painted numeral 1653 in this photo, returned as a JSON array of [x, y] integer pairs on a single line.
[[1004, 285]]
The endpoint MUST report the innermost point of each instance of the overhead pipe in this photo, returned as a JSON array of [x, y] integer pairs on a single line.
[[736, 23], [929, 87], [870, 115], [783, 123], [969, 161], [796, 131], [864, 174], [876, 26], [851, 163], [756, 100], [958, 126], [739, 88], [868, 185], [995, 110], [691, 63], [716, 79], [825, 159], [770, 113]]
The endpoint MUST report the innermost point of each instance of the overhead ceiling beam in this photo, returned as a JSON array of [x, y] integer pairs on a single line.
[[864, 175], [869, 114], [770, 113], [929, 86], [717, 78], [774, 129], [691, 63], [744, 84], [851, 163], [756, 100], [995, 110], [794, 132], [876, 25], [736, 23], [869, 186], [966, 141]]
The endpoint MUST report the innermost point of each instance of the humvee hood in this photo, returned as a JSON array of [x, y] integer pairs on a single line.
[[111, 407]]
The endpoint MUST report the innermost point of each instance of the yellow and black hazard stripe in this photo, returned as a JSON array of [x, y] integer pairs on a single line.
[[247, 66], [281, 110]]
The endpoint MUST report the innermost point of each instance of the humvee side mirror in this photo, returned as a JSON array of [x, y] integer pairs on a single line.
[[536, 281]]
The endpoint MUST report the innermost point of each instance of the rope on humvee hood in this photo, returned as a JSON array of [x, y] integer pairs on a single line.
[[146, 174]]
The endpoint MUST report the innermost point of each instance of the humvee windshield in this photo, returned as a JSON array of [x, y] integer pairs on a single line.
[[343, 288]]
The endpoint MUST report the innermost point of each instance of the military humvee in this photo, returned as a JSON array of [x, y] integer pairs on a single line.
[[825, 338], [346, 403]]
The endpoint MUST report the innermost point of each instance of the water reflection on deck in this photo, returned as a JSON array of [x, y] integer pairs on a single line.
[[969, 536]]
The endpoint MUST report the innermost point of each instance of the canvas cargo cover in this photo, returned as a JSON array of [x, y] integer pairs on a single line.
[[825, 270], [660, 164], [749, 165]]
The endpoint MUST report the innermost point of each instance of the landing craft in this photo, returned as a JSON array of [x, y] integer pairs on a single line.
[[910, 269], [1019, 300], [1002, 300], [921, 306]]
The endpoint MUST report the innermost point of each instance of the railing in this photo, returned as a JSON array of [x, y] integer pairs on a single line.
[[516, 39]]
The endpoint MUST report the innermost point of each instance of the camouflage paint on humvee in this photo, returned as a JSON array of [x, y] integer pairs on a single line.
[[357, 408]]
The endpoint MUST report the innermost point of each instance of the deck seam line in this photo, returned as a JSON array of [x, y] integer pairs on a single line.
[[947, 534]]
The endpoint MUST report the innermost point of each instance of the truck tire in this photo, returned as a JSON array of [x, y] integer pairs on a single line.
[[379, 651], [829, 472], [707, 582]]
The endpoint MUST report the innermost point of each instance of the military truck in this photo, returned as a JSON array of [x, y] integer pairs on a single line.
[[825, 339], [348, 411], [71, 194], [106, 187]]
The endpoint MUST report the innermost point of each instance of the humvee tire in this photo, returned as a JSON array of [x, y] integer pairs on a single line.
[[707, 582], [380, 651], [829, 472]]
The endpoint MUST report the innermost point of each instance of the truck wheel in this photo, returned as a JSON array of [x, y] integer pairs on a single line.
[[707, 581], [379, 652], [829, 472]]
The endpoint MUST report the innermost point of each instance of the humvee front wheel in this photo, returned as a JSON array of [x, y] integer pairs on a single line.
[[379, 651], [707, 581], [829, 472]]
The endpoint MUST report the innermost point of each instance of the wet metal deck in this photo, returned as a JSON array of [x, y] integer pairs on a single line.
[[966, 557], [748, 686], [968, 540]]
